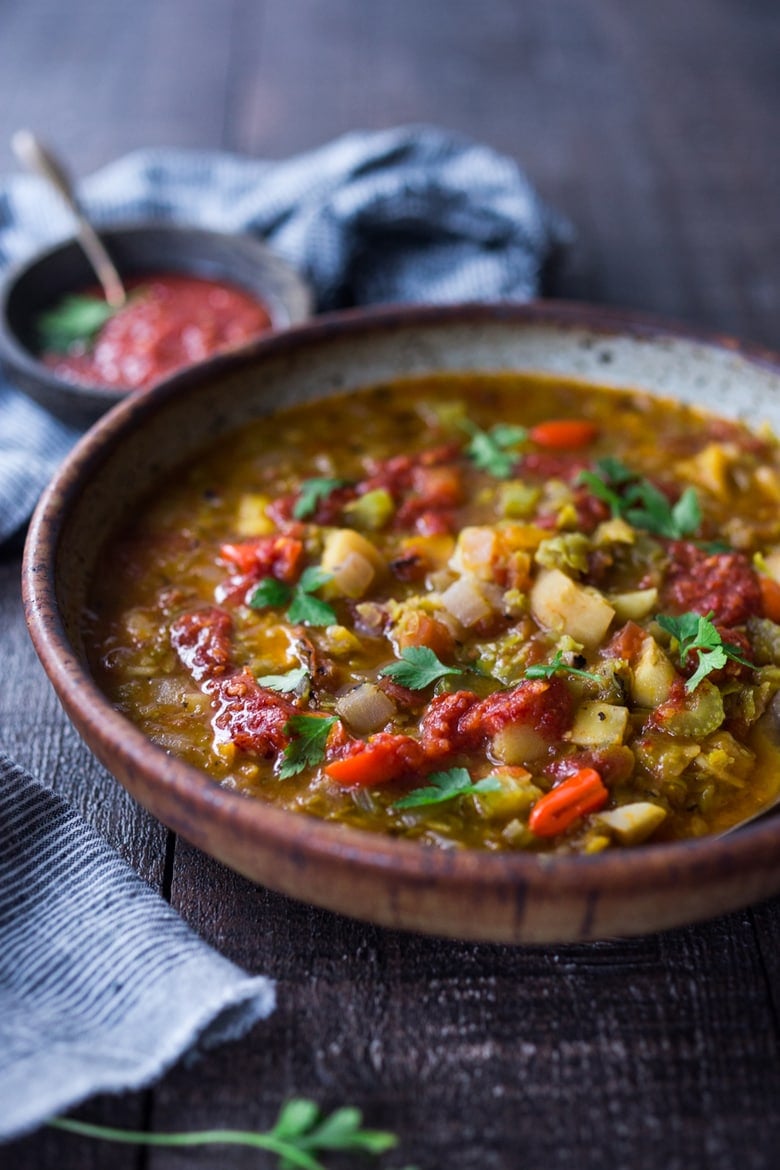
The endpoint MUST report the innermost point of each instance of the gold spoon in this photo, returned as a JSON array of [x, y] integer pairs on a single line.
[[37, 158]]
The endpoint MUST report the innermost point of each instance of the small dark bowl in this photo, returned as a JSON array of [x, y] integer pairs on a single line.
[[42, 281]]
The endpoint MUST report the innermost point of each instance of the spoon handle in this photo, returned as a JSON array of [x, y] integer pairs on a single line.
[[39, 159]]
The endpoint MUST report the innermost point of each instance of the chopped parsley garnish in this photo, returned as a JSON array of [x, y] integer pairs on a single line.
[[558, 665], [494, 450], [697, 634], [75, 319], [640, 502], [287, 683], [417, 668], [304, 609], [306, 748], [311, 492], [443, 786]]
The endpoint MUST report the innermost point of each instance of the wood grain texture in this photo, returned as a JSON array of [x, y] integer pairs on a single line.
[[654, 128]]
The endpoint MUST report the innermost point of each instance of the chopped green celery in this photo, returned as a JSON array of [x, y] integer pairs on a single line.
[[514, 798], [371, 511], [765, 639], [701, 713], [515, 603], [450, 416], [517, 500], [725, 759], [567, 552], [663, 757], [505, 659]]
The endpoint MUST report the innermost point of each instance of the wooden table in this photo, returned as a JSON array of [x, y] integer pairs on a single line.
[[655, 128]]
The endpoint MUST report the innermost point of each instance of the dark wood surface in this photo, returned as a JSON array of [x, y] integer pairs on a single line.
[[654, 127]]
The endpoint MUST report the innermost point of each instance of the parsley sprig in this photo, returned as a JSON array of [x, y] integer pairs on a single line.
[[417, 668], [697, 635], [638, 501], [299, 1134], [558, 666], [75, 319], [311, 492], [444, 786], [304, 609], [309, 738], [494, 451], [287, 683]]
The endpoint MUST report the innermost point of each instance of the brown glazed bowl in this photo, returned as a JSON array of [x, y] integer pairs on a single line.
[[138, 249], [510, 898]]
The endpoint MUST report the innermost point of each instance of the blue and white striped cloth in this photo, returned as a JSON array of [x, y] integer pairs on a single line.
[[102, 986], [413, 214]]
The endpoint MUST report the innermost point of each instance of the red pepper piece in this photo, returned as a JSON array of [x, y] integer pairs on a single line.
[[580, 794]]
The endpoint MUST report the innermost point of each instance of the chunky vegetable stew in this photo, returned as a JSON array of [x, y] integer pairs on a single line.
[[497, 611]]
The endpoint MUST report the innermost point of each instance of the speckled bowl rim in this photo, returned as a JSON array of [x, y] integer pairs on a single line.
[[660, 868]]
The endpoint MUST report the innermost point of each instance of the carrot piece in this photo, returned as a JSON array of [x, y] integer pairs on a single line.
[[575, 797], [384, 757], [564, 434], [770, 594]]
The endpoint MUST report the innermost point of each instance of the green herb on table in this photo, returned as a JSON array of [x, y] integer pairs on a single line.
[[285, 684], [558, 666], [304, 609], [698, 635], [638, 501], [312, 491], [417, 668], [444, 786], [306, 748], [494, 451], [299, 1135], [75, 320]]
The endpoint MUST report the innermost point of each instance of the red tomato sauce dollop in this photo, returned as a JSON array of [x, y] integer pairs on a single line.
[[169, 322]]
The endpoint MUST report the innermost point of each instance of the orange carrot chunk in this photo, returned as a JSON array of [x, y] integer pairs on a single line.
[[384, 757], [575, 797], [770, 595], [563, 434]]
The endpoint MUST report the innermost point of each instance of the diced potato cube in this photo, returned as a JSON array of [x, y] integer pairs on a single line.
[[599, 725], [251, 518], [633, 823], [476, 553], [366, 708], [353, 561], [772, 565], [518, 743], [470, 600], [565, 606], [653, 675], [634, 605]]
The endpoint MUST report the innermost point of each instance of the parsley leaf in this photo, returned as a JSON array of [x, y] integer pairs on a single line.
[[310, 611], [417, 668], [445, 786], [640, 502], [548, 669], [697, 634], [311, 492], [303, 608], [306, 748], [74, 319], [285, 684], [492, 450], [269, 592]]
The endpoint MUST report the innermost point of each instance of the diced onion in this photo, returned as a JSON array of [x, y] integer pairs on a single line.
[[366, 708]]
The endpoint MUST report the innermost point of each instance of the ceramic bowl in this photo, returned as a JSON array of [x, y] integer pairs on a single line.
[[511, 898], [42, 281]]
